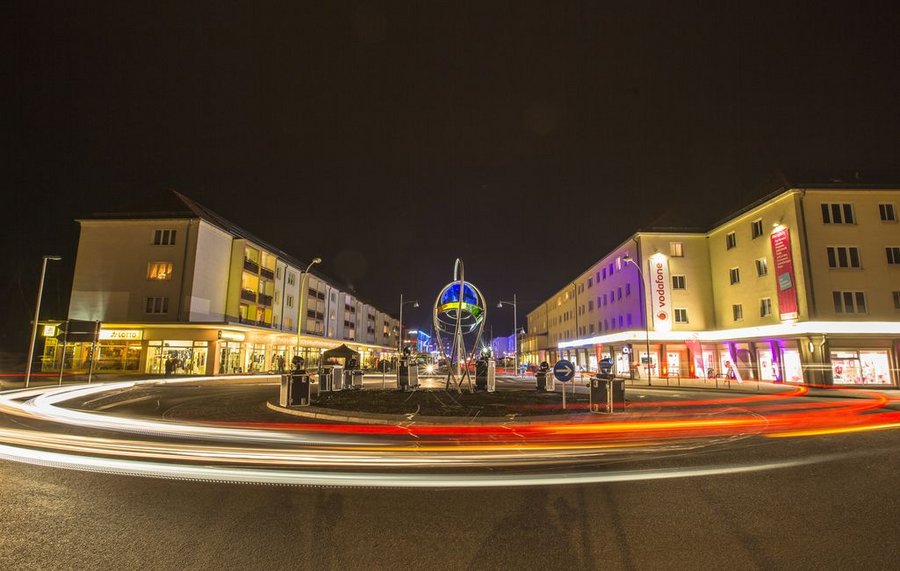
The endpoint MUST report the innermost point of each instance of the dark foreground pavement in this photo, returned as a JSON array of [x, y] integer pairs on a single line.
[[840, 514]]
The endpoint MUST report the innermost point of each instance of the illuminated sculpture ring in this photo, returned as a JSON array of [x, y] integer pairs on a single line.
[[459, 314]]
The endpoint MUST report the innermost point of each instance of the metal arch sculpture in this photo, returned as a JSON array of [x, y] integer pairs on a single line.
[[459, 311]]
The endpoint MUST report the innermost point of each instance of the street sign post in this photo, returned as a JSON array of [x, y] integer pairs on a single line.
[[564, 371]]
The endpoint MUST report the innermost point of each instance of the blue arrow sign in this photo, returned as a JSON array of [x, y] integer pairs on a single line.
[[564, 370]]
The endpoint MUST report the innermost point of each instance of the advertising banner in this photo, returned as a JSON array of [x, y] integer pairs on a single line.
[[784, 274], [660, 289]]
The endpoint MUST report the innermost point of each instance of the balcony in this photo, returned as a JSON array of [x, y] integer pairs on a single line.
[[251, 266], [248, 295], [267, 273], [265, 300]]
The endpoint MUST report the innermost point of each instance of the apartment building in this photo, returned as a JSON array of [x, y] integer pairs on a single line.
[[185, 291], [802, 286]]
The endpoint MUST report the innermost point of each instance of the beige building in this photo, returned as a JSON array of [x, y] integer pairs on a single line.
[[187, 292], [801, 286]]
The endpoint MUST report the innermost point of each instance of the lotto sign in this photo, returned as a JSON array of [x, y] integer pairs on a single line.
[[120, 334], [784, 274], [660, 293]]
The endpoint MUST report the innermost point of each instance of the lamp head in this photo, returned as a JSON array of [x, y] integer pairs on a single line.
[[416, 304], [317, 260], [54, 258], [499, 305], [627, 258]]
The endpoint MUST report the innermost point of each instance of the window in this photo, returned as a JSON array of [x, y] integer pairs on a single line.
[[843, 257], [737, 311], [849, 301], [598, 277], [290, 301], [680, 315], [756, 228], [887, 212], [619, 292], [590, 305], [762, 267], [677, 282], [291, 278], [619, 263], [897, 300], [627, 289], [164, 237], [730, 241], [893, 255], [628, 320], [159, 271], [592, 328], [278, 273], [620, 322], [765, 307], [837, 213], [611, 269], [590, 282], [676, 249], [734, 274], [156, 305], [604, 273]]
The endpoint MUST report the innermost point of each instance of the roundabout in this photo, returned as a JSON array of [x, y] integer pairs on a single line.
[[226, 430]]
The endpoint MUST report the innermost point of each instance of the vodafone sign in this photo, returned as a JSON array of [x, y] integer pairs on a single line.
[[660, 293]]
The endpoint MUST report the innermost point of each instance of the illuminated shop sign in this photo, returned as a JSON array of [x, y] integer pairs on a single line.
[[120, 334], [660, 293], [49, 331], [231, 336]]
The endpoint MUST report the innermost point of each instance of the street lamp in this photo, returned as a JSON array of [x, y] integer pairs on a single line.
[[37, 311], [515, 327], [630, 260], [415, 303], [304, 293]]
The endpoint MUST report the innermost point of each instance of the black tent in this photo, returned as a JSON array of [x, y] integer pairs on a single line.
[[342, 352]]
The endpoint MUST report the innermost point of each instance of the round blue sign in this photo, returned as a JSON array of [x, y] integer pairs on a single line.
[[564, 370]]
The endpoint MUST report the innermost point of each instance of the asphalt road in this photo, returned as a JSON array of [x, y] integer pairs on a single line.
[[838, 512]]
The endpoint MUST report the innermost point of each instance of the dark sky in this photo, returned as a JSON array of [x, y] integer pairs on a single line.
[[390, 138]]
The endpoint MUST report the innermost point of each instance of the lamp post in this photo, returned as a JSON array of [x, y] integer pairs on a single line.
[[301, 315], [415, 303], [630, 260], [515, 327], [37, 312]]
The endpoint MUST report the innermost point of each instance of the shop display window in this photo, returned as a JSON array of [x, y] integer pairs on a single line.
[[852, 367], [793, 367]]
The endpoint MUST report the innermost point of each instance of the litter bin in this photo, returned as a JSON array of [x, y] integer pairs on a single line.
[[403, 375], [607, 394], [541, 378], [481, 374], [295, 390]]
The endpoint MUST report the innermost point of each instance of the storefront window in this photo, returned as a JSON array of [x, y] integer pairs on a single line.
[[229, 357], [673, 363], [652, 362], [117, 356], [177, 357], [256, 357], [767, 369], [793, 367], [860, 367]]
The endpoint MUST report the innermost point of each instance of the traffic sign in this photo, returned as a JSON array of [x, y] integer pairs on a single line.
[[564, 370]]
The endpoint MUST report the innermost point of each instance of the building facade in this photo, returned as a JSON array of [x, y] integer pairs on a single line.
[[802, 287], [187, 292]]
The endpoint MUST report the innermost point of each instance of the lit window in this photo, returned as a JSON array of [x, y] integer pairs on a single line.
[[734, 274], [159, 271], [762, 267], [737, 312], [756, 228], [676, 249], [730, 241], [765, 307], [681, 315], [677, 282], [843, 257], [887, 212]]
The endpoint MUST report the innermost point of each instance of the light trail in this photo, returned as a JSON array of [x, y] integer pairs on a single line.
[[411, 454]]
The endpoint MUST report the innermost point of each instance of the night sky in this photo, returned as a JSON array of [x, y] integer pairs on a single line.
[[390, 138]]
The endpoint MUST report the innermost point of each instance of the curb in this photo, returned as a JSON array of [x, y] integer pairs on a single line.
[[319, 413]]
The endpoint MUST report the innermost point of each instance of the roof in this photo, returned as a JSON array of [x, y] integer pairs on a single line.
[[175, 205]]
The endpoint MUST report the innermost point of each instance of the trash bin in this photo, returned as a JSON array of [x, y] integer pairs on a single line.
[[481, 375], [607, 394], [541, 378], [295, 390]]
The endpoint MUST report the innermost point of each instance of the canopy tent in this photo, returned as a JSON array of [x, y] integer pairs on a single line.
[[342, 352]]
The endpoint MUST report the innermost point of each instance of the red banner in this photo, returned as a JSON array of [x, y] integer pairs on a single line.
[[784, 274]]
